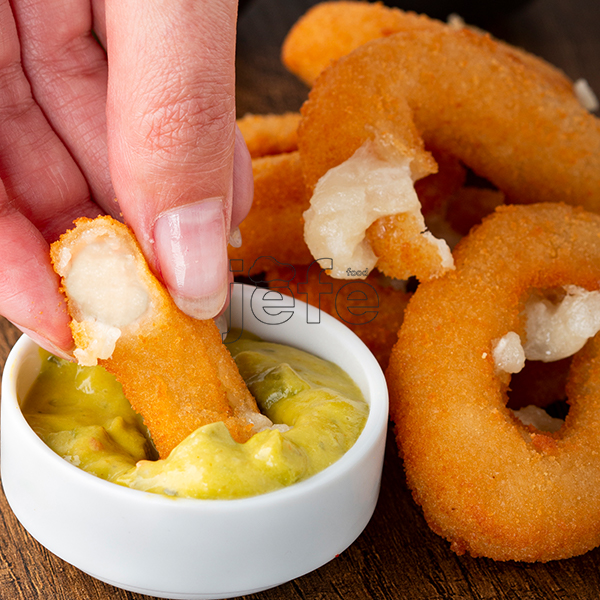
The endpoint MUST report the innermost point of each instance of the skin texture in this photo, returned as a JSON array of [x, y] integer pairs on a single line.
[[73, 138], [539, 501]]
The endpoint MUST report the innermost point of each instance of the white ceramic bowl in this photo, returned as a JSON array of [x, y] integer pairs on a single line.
[[182, 548]]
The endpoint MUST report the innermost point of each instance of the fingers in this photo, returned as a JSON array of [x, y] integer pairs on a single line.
[[29, 295], [171, 100], [67, 70], [40, 176]]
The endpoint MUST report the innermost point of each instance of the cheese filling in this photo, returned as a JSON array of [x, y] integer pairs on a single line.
[[104, 285], [554, 330], [350, 197]]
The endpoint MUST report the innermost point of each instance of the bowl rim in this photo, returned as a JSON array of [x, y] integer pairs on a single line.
[[376, 420]]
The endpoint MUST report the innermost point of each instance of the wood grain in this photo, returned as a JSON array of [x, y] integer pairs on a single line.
[[397, 556]]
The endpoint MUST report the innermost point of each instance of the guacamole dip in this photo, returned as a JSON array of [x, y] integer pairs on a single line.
[[317, 410]]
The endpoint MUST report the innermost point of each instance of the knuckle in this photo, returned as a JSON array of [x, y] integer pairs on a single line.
[[75, 57]]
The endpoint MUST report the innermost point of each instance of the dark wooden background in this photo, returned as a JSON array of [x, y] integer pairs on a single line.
[[397, 556]]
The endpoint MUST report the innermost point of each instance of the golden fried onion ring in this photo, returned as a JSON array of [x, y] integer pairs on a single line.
[[462, 93], [490, 485], [331, 30]]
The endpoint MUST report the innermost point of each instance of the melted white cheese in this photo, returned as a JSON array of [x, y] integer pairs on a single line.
[[103, 282], [554, 330], [352, 196]]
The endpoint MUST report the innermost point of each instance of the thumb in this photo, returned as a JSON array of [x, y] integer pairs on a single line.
[[171, 122]]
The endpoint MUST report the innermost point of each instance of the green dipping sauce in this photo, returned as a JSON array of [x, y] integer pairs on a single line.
[[318, 412]]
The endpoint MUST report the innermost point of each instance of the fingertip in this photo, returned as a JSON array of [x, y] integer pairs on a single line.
[[29, 288]]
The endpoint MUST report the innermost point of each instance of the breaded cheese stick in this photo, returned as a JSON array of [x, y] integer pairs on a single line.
[[175, 370]]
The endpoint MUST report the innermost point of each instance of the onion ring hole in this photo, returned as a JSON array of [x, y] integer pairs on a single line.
[[558, 323]]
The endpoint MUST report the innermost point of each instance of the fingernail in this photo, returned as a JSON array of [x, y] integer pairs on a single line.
[[191, 246], [222, 324]]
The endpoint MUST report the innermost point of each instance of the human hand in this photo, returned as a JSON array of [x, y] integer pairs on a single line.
[[169, 105]]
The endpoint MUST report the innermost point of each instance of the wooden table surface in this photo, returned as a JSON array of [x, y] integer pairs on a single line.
[[397, 556]]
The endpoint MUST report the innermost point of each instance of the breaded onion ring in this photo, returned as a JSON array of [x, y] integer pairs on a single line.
[[465, 94], [275, 225], [490, 485], [447, 88], [331, 30], [175, 370]]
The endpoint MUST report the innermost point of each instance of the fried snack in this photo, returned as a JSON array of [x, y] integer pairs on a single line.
[[466, 95], [381, 102], [361, 166], [487, 483], [398, 240], [270, 134], [175, 370], [331, 30], [274, 226], [403, 250], [373, 309]]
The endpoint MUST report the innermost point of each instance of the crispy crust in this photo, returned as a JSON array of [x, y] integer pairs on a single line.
[[175, 370], [274, 226], [331, 30], [463, 93], [486, 483]]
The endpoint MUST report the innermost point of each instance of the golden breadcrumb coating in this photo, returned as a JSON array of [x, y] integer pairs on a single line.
[[490, 485], [175, 370], [331, 30]]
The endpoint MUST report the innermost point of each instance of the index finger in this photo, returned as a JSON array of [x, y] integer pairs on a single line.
[[171, 122]]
